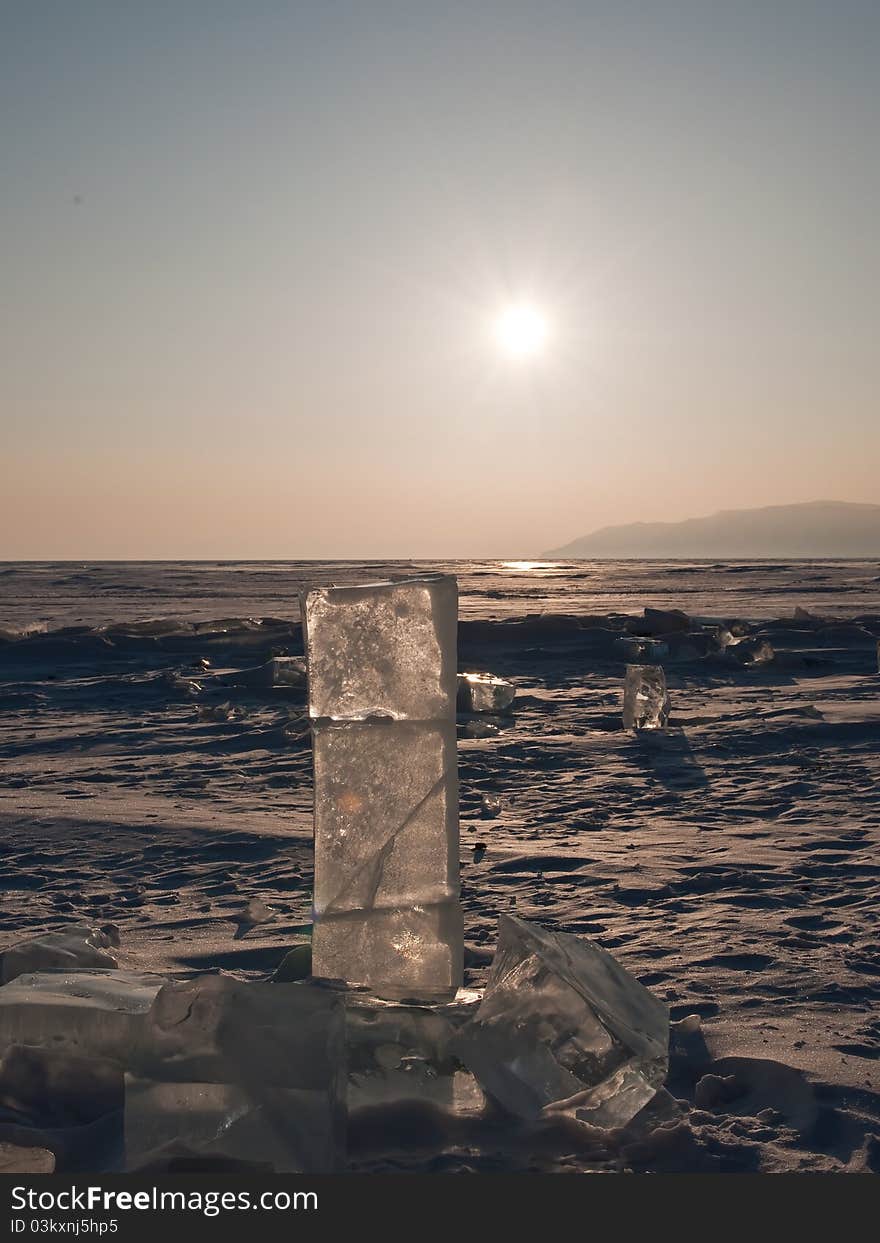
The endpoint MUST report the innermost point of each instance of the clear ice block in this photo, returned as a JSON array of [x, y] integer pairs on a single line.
[[383, 649], [382, 690], [408, 952], [386, 815], [69, 949], [562, 1021], [239, 1070], [405, 1054], [216, 1029], [645, 699], [482, 692], [97, 1013]]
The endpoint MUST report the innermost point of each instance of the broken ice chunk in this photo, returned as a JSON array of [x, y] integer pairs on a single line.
[[97, 1013], [286, 1130], [563, 1024], [400, 1053], [482, 692], [645, 699], [240, 1071], [409, 952], [383, 649], [217, 1029], [386, 815], [69, 948]]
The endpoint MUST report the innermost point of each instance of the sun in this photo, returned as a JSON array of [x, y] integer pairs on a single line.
[[522, 330]]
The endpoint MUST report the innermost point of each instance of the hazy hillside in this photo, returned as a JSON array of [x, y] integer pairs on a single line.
[[815, 529]]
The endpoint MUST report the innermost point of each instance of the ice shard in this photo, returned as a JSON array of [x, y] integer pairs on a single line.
[[563, 1024], [383, 649], [382, 693], [645, 699]]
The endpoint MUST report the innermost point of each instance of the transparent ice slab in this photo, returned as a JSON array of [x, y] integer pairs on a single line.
[[562, 1021], [242, 1071], [217, 1029], [409, 952], [405, 1054], [386, 815], [383, 649]]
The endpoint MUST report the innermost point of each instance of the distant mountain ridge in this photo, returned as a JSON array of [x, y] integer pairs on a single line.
[[812, 529]]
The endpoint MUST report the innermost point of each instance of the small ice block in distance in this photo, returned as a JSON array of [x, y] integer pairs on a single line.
[[482, 692], [562, 1021], [383, 649], [69, 949], [645, 699], [386, 815], [398, 1053], [92, 1013], [286, 1131], [411, 952]]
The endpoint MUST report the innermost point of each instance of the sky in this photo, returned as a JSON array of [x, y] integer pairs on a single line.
[[253, 253]]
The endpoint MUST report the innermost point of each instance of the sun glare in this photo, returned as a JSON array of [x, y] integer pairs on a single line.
[[521, 331]]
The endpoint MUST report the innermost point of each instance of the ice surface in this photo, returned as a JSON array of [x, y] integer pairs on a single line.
[[645, 700], [482, 692], [382, 687], [286, 1130], [408, 952], [69, 948], [93, 1013], [386, 815], [399, 1053], [384, 649], [562, 1021], [241, 1071]]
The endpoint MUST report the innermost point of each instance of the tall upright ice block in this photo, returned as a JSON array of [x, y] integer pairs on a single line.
[[382, 688]]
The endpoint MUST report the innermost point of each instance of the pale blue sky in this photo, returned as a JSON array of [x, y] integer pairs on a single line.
[[251, 252]]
